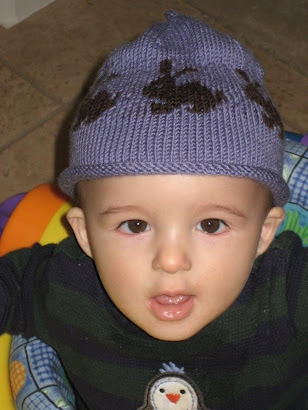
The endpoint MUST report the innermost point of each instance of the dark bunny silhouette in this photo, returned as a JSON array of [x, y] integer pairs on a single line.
[[198, 97], [94, 105], [270, 115]]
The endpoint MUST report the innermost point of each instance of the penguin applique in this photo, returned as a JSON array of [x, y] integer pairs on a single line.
[[172, 390]]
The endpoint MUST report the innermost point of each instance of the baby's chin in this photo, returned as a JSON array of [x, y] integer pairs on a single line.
[[174, 337], [173, 332]]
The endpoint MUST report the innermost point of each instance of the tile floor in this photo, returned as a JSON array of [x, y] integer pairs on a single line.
[[46, 61]]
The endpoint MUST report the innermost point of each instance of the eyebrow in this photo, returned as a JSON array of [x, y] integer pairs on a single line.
[[120, 209], [224, 208]]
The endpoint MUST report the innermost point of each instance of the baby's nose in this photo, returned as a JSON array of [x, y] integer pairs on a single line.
[[172, 258]]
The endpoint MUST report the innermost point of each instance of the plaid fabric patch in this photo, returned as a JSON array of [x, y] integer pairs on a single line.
[[299, 183], [38, 401], [37, 376], [296, 172]]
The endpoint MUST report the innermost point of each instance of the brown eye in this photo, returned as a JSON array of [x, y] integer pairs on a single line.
[[211, 226], [134, 226]]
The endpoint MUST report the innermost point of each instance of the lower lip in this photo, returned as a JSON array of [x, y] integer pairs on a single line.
[[168, 308]]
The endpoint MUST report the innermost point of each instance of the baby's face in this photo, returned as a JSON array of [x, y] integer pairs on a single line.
[[173, 252]]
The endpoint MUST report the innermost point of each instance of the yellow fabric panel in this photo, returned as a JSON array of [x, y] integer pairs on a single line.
[[57, 229], [6, 398]]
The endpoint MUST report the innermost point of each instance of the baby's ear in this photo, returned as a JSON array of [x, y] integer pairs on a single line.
[[76, 219], [271, 223]]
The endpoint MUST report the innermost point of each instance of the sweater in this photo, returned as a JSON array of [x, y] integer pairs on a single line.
[[254, 356]]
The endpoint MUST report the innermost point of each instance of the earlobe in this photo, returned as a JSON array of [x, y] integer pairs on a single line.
[[272, 221], [76, 218]]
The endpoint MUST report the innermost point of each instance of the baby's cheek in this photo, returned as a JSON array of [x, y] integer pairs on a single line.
[[229, 280]]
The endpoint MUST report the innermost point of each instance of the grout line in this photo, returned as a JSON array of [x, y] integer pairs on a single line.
[[24, 133], [30, 80]]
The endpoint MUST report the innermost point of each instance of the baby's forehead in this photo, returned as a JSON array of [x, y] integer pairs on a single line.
[[195, 188]]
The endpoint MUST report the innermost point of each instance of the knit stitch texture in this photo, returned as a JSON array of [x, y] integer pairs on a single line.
[[181, 99]]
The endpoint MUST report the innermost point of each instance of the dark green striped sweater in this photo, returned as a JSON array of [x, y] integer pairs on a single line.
[[254, 356]]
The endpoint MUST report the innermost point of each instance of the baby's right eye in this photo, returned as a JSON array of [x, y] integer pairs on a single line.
[[212, 226], [134, 226]]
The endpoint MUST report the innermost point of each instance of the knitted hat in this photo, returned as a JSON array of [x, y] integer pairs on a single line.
[[181, 99]]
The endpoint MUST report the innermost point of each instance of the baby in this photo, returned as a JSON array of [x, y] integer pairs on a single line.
[[173, 293]]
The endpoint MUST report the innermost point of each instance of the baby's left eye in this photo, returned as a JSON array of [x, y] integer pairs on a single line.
[[211, 226], [134, 226]]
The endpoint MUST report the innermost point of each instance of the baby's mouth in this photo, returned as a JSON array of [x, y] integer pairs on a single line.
[[172, 300], [177, 307]]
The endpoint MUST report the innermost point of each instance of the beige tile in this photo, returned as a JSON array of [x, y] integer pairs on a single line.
[[59, 46], [2, 30], [289, 90], [278, 26], [33, 159], [21, 105]]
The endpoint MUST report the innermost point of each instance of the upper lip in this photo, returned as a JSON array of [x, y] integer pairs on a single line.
[[172, 300], [173, 293]]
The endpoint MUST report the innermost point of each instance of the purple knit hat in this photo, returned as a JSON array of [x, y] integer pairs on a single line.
[[181, 99]]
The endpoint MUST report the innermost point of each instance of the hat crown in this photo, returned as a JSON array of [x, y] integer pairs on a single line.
[[181, 98], [183, 38]]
